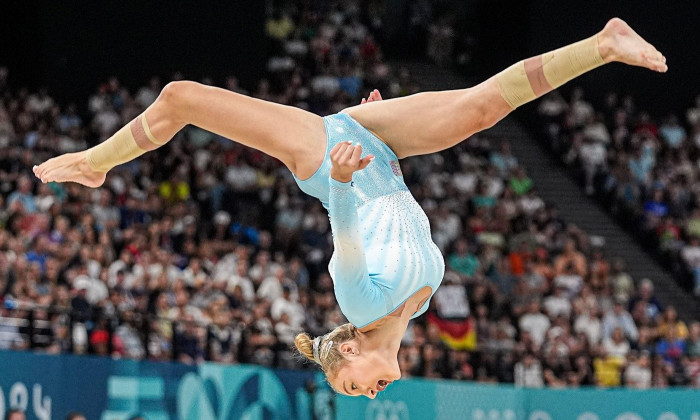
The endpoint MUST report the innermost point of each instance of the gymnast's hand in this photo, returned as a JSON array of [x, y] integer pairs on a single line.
[[373, 96], [346, 159]]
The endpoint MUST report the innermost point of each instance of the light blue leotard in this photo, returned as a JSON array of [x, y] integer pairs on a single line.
[[384, 252]]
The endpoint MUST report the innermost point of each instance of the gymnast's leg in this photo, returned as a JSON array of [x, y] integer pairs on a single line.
[[433, 121], [294, 136]]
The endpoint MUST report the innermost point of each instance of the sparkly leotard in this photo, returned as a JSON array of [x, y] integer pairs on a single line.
[[384, 252]]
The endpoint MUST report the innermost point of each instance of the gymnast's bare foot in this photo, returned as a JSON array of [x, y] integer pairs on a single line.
[[71, 167], [618, 42]]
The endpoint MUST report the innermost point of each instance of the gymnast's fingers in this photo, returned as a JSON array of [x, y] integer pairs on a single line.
[[365, 161], [347, 153], [335, 151], [356, 155]]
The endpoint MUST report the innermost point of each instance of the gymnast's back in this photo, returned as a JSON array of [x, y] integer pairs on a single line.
[[384, 251]]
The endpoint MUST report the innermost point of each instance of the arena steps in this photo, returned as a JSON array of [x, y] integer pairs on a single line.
[[555, 186]]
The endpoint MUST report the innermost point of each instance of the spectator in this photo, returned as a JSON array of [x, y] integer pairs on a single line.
[[589, 323], [570, 257], [528, 372], [669, 320], [535, 322], [670, 347], [188, 342], [622, 284], [503, 159], [463, 261], [558, 304], [593, 156], [638, 372], [129, 335], [645, 296], [23, 195], [616, 345], [451, 298], [619, 317], [693, 341], [672, 132]]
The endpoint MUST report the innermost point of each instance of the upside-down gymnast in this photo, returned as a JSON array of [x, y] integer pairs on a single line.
[[385, 266]]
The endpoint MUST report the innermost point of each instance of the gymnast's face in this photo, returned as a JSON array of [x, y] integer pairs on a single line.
[[364, 372]]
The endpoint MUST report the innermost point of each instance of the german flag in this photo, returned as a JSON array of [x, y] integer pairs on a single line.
[[457, 334]]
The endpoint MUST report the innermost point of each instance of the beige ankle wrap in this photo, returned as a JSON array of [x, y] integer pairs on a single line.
[[531, 78], [130, 142]]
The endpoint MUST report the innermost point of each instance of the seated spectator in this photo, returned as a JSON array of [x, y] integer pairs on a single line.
[[241, 280], [570, 257], [528, 372], [619, 317], [616, 345], [503, 159], [187, 346], [691, 257], [622, 283], [593, 156], [535, 323], [638, 371], [129, 335], [588, 322], [520, 183], [669, 320], [542, 264], [655, 209], [569, 281], [461, 260], [519, 258], [693, 340], [558, 304], [672, 132], [288, 304], [607, 371], [670, 347], [645, 296], [451, 302]]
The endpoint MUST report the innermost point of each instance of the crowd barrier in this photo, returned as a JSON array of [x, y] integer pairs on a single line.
[[48, 387]]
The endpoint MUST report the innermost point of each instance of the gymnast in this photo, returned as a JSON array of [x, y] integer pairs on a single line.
[[385, 266]]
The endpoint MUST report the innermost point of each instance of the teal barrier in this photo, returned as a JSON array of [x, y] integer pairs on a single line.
[[48, 387], [421, 399]]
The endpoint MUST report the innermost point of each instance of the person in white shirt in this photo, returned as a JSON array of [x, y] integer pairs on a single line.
[[535, 322], [619, 317], [287, 304], [241, 279], [558, 304], [528, 372], [589, 323], [616, 345], [271, 287], [638, 373]]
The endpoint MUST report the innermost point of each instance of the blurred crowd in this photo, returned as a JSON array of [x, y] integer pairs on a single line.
[[645, 169], [206, 250]]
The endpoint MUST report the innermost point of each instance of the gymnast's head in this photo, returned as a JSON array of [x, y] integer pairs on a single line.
[[351, 364]]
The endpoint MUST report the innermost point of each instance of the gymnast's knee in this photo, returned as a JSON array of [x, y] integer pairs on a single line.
[[173, 98]]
